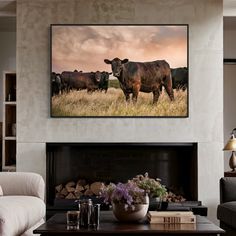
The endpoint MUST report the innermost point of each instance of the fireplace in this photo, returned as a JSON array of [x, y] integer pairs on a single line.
[[174, 163]]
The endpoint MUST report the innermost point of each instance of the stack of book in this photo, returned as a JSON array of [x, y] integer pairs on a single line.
[[171, 217]]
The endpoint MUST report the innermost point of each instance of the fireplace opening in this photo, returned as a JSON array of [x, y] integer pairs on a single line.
[[174, 163]]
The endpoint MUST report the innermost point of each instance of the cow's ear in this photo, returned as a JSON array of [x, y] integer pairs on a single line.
[[124, 61], [107, 61]]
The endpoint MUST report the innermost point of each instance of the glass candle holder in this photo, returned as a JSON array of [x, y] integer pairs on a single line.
[[72, 219]]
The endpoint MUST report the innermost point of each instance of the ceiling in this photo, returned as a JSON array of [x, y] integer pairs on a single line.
[[8, 14], [8, 7]]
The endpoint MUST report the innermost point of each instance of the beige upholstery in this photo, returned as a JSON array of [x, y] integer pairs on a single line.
[[21, 183], [29, 232], [19, 213], [22, 206]]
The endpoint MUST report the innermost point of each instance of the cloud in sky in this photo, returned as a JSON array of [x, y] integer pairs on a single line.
[[85, 47]]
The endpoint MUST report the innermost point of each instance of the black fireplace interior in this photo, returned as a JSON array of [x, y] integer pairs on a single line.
[[174, 163]]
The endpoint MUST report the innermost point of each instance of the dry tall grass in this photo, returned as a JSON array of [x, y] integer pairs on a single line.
[[80, 103]]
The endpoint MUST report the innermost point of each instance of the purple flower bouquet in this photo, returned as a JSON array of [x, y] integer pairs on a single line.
[[128, 194]]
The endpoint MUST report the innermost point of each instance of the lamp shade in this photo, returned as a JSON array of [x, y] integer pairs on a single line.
[[231, 144]]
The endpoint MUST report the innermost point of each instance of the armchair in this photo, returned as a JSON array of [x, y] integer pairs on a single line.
[[22, 206], [226, 211]]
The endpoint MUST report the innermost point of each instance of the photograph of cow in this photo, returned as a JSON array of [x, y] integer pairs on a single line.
[[122, 72], [144, 77]]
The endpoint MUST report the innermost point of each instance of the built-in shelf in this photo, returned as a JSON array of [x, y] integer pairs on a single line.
[[230, 61], [10, 103], [9, 122], [10, 138], [9, 168]]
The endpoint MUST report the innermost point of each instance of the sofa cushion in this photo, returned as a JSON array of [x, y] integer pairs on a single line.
[[226, 212], [227, 189], [19, 213]]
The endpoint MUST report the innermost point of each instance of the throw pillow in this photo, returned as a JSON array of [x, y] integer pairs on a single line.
[[1, 192]]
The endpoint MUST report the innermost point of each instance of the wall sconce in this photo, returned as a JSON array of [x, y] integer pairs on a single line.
[[231, 146]]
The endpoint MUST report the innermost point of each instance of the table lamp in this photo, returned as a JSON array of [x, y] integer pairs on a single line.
[[231, 146]]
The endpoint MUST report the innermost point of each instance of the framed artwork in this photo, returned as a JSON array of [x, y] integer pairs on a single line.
[[119, 71]]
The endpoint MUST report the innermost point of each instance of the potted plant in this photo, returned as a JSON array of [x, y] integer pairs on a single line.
[[155, 190], [151, 186], [129, 202]]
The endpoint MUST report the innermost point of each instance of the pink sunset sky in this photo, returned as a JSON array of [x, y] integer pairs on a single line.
[[85, 47]]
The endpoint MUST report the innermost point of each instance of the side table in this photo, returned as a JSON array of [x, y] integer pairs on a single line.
[[230, 174]]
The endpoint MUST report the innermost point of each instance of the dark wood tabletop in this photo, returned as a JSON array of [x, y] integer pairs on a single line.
[[56, 225], [230, 174]]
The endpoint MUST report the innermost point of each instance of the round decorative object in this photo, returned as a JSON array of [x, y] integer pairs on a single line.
[[132, 213]]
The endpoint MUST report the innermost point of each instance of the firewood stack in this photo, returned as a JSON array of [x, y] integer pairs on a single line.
[[73, 190], [171, 197]]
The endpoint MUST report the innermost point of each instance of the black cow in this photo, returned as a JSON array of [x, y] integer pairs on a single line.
[[180, 78], [145, 77], [86, 80], [103, 85], [56, 85]]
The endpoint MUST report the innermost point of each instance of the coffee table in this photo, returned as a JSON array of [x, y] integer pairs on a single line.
[[56, 225]]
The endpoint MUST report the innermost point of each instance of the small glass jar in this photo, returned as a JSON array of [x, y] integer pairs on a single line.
[[95, 216], [85, 207], [72, 219]]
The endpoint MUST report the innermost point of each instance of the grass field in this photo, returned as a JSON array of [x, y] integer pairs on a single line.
[[80, 103]]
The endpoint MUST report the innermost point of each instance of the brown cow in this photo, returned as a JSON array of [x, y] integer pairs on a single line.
[[65, 80], [87, 80], [142, 76]]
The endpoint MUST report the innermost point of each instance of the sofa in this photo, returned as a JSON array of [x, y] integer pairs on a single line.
[[22, 206], [226, 211]]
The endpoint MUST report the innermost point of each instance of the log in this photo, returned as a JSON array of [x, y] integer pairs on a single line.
[[70, 189], [70, 196], [59, 188], [81, 182], [96, 187], [64, 192], [86, 186], [79, 188], [59, 196], [70, 184], [88, 192], [78, 194]]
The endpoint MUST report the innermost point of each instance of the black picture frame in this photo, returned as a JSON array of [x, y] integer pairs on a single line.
[[119, 116]]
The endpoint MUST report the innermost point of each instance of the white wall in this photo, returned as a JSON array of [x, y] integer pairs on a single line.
[[205, 122], [7, 58]]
